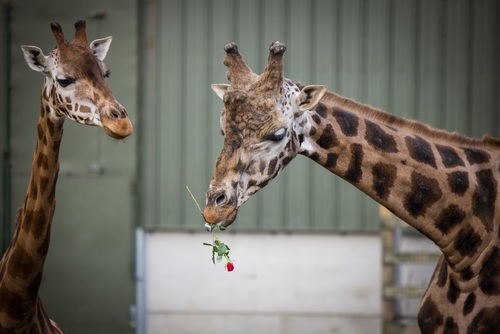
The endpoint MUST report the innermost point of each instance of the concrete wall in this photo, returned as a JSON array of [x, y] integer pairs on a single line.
[[282, 283]]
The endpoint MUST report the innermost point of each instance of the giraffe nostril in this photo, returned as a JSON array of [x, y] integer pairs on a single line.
[[115, 114], [220, 200]]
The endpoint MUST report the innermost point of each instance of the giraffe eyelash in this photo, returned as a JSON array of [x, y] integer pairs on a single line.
[[64, 82], [278, 135]]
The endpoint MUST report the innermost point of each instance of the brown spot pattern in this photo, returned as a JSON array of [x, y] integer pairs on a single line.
[[272, 166], [384, 176], [424, 192], [475, 156], [328, 139], [354, 171], [21, 264], [450, 217], [85, 109], [11, 303], [443, 274], [420, 150], [379, 139], [314, 156], [453, 293], [316, 119], [467, 241], [467, 274], [489, 277], [449, 156], [450, 326], [470, 303], [40, 131], [33, 190], [50, 127], [39, 222], [331, 160], [348, 122], [429, 317], [486, 321], [42, 161], [483, 200], [458, 182], [44, 181], [321, 110]]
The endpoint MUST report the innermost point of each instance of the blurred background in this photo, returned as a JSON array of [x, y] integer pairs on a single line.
[[312, 254]]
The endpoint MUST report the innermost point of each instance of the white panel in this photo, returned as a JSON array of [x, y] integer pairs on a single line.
[[280, 282]]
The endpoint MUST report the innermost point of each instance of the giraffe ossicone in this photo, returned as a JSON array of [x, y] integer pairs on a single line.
[[74, 88], [443, 184]]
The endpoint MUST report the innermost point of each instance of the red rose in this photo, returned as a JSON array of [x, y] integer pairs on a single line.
[[229, 266]]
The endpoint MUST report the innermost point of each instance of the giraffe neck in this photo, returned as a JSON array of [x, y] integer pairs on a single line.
[[21, 267], [442, 184]]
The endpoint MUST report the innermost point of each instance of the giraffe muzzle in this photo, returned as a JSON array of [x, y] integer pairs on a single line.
[[117, 125], [219, 216]]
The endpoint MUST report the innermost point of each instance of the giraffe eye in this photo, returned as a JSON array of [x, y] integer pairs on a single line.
[[65, 82], [277, 135]]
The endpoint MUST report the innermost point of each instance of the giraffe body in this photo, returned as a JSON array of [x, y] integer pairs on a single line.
[[74, 88], [443, 184]]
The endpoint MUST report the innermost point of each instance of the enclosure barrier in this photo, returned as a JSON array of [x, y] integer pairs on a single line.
[[395, 290]]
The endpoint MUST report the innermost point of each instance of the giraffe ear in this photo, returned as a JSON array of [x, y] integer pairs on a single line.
[[309, 97], [100, 47], [220, 89], [35, 58]]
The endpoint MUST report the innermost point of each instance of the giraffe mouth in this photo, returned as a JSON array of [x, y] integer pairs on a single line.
[[117, 128], [215, 217], [212, 227]]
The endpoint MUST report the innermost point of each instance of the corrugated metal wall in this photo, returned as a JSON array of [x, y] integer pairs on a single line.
[[87, 284], [4, 136], [435, 61]]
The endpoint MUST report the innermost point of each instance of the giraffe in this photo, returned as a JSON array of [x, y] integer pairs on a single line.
[[73, 88], [443, 184]]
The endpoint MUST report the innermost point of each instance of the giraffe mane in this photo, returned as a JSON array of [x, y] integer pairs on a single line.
[[379, 115]]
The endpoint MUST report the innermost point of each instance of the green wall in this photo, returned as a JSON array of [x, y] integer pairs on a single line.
[[434, 61], [88, 280], [5, 227]]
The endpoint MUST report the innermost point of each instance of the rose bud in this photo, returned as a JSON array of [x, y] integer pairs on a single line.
[[229, 266]]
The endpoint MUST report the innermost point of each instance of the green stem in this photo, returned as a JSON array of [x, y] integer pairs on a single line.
[[194, 199]]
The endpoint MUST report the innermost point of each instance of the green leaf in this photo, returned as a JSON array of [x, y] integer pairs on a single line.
[[207, 244], [222, 249]]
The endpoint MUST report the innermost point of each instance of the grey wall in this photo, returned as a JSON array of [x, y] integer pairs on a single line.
[[4, 136], [88, 281], [434, 61]]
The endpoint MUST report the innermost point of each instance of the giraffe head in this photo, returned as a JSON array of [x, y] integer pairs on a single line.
[[74, 82], [259, 122]]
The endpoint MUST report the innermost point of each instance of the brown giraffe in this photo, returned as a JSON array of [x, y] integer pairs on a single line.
[[443, 184], [74, 88]]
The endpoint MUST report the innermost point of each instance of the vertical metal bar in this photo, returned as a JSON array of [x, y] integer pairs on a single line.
[[470, 68], [140, 322], [138, 311]]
